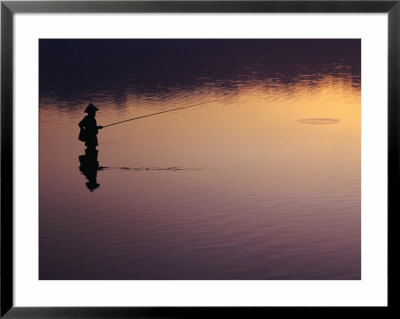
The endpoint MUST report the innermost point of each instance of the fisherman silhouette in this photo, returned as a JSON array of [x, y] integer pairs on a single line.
[[89, 128], [88, 134]]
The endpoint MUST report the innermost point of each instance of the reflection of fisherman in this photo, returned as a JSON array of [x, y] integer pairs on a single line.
[[89, 167], [89, 128]]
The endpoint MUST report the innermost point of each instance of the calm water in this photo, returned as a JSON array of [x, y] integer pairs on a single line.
[[262, 183]]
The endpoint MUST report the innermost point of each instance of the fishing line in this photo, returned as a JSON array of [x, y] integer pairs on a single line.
[[152, 114]]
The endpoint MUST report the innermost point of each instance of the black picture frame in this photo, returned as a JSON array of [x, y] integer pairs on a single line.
[[9, 8]]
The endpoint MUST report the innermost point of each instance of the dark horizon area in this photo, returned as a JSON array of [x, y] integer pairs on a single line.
[[71, 68]]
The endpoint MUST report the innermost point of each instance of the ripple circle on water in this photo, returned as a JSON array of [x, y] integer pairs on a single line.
[[319, 121]]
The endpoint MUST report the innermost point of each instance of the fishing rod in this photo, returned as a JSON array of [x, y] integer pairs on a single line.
[[152, 114]]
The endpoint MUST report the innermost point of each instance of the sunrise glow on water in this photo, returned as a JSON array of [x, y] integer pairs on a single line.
[[260, 180]]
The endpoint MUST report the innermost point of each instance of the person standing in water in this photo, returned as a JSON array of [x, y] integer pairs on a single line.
[[89, 164], [89, 128]]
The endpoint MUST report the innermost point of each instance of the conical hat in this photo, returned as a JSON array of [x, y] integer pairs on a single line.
[[90, 108]]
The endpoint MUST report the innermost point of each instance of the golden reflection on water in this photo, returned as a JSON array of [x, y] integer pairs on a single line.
[[255, 122]]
